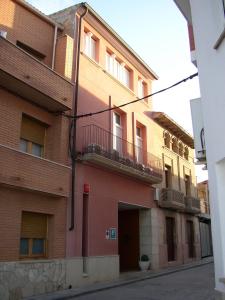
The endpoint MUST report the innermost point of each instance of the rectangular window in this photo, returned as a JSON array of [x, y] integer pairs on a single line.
[[90, 45], [33, 239], [187, 180], [117, 69], [117, 133], [139, 145], [31, 51], [141, 89], [32, 136], [168, 176]]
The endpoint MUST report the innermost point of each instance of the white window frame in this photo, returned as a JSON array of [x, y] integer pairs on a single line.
[[90, 45], [139, 146], [141, 88], [117, 133], [117, 69]]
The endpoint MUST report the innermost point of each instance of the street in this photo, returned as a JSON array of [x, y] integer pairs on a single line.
[[193, 284]]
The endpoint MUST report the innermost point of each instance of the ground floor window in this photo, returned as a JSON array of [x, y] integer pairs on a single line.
[[33, 239]]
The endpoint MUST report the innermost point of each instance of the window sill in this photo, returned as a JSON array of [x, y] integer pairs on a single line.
[[94, 62], [219, 40]]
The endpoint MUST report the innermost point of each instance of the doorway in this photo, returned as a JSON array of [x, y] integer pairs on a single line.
[[170, 231], [128, 234], [190, 238]]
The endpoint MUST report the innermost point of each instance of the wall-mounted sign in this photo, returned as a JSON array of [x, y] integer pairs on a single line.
[[112, 234]]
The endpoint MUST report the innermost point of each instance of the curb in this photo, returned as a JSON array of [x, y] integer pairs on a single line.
[[91, 290]]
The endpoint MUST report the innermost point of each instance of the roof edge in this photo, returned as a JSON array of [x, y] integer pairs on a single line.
[[39, 13]]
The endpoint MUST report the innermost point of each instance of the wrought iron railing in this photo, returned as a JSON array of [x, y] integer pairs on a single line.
[[171, 195], [102, 142]]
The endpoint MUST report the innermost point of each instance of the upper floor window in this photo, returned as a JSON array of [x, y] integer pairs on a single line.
[[90, 45], [175, 145], [117, 69], [187, 180], [186, 153], [167, 139], [31, 51], [142, 88], [33, 237], [168, 176], [139, 145], [117, 133], [32, 136]]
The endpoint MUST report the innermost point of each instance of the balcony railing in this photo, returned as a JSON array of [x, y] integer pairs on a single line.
[[172, 199], [192, 204], [104, 148], [24, 75], [27, 172]]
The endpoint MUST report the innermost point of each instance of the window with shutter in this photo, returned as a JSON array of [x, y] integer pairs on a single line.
[[32, 136], [33, 239]]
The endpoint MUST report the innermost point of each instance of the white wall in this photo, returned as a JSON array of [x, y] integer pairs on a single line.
[[208, 23]]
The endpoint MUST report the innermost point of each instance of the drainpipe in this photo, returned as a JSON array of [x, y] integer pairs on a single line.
[[73, 127], [54, 47]]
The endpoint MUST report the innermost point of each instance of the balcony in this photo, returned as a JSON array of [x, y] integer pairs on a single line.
[[192, 205], [98, 147], [27, 77], [172, 199], [27, 172]]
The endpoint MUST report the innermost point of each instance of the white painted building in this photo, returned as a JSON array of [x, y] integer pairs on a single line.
[[206, 24]]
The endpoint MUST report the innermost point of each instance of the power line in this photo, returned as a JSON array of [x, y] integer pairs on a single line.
[[133, 101]]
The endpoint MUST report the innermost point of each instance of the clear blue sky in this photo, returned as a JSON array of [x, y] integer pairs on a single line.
[[157, 31]]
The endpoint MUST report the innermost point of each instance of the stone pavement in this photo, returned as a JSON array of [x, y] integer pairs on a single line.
[[132, 278]]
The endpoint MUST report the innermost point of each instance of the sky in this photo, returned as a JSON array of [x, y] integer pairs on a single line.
[[157, 31]]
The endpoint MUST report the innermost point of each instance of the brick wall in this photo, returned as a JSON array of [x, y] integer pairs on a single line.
[[27, 27], [12, 203]]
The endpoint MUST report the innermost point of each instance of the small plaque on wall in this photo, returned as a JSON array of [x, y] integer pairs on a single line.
[[112, 234]]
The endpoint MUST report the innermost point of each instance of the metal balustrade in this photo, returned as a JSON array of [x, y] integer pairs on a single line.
[[99, 141]]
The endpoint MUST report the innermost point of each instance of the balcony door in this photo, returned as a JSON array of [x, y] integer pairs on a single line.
[[139, 145], [117, 133]]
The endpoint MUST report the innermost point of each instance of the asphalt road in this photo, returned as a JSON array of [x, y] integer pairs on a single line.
[[193, 284]]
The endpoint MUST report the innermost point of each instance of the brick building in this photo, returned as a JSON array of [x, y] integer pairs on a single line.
[[134, 184]]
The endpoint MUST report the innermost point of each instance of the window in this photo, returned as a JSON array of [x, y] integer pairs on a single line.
[[32, 136], [181, 149], [187, 180], [139, 145], [117, 133], [90, 45], [31, 51], [175, 145], [167, 139], [186, 153], [117, 69], [33, 239], [141, 88], [168, 176]]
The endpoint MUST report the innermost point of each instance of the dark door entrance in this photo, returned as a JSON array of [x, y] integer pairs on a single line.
[[170, 230], [190, 238], [128, 233]]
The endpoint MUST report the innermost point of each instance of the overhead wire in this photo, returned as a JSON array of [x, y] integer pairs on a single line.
[[133, 101]]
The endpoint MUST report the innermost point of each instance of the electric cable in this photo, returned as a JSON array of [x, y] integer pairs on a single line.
[[133, 101]]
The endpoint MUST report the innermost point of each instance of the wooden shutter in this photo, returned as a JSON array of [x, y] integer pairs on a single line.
[[32, 130], [34, 225]]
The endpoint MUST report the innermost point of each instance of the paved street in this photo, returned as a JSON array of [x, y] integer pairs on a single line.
[[193, 284]]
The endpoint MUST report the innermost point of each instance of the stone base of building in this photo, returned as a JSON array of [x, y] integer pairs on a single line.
[[27, 278], [219, 295]]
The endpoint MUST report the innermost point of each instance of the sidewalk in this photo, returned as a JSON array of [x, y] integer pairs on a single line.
[[125, 279]]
